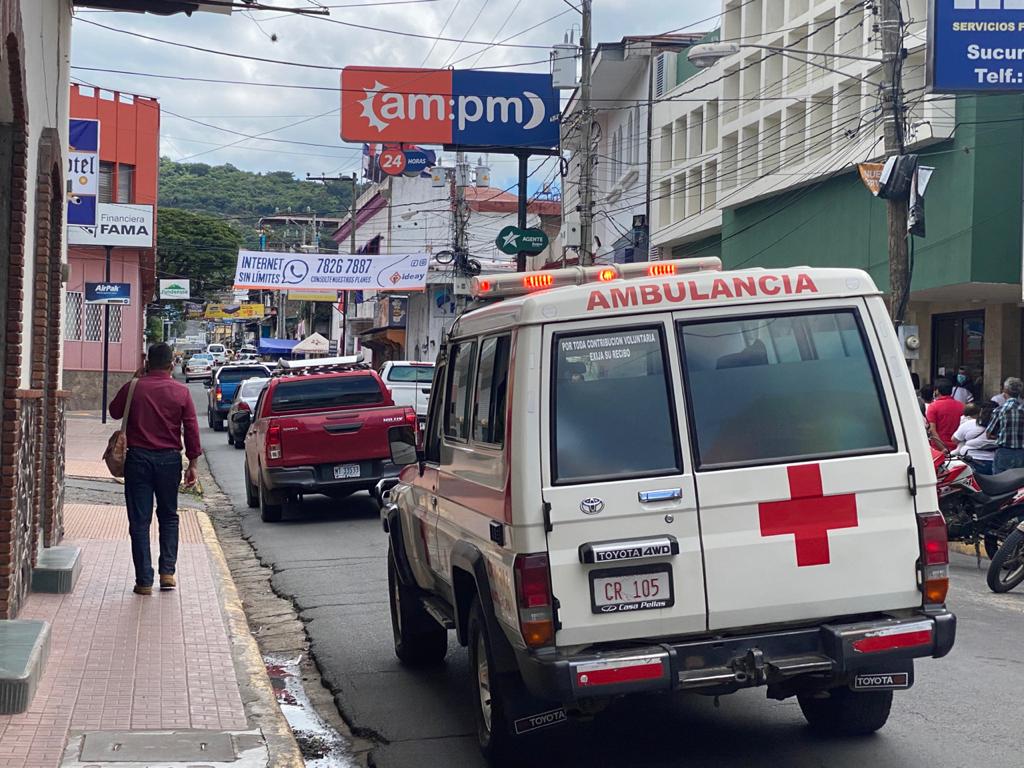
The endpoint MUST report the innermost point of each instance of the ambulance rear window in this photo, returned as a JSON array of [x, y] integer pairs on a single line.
[[612, 411], [782, 388]]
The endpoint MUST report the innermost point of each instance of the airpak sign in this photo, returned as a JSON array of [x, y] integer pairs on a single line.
[[117, 224], [513, 240], [442, 106], [108, 293]]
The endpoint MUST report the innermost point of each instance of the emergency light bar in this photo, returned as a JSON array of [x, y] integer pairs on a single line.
[[506, 286]]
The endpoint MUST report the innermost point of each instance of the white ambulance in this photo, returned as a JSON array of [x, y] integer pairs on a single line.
[[665, 477]]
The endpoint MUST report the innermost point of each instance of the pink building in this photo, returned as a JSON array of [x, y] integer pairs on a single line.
[[129, 169]]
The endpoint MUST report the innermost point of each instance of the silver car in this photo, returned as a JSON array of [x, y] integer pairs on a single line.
[[242, 409]]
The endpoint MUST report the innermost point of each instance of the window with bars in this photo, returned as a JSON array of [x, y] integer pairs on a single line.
[[115, 324], [106, 182], [93, 322], [125, 183], [73, 316]]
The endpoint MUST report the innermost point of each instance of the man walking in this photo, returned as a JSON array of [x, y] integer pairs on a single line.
[[160, 409], [1007, 428], [943, 414]]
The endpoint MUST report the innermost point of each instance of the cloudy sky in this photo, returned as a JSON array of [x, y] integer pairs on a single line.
[[304, 121]]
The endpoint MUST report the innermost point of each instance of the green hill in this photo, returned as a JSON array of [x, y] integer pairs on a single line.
[[242, 197]]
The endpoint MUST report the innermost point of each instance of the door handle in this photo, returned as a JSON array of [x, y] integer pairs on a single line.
[[667, 494], [433, 501]]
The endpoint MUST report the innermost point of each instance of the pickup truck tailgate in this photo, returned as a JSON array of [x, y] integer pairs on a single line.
[[331, 438]]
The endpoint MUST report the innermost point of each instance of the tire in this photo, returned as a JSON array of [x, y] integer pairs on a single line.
[[1006, 570], [231, 439], [217, 424], [419, 640], [252, 495], [846, 712], [269, 512], [490, 706], [240, 444]]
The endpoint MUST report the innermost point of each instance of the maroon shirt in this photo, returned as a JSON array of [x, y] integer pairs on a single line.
[[945, 412], [161, 407]]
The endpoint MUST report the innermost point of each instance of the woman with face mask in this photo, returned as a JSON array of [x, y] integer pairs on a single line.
[[961, 391]]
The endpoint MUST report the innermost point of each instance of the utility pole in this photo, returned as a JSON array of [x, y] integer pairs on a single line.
[[892, 106], [587, 161], [354, 178], [461, 180]]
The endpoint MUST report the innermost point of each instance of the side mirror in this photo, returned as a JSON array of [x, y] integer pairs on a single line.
[[402, 441], [207, 383]]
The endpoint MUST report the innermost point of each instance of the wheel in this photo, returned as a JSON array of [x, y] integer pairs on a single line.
[[419, 640], [217, 424], [845, 712], [494, 736], [269, 512], [231, 439], [209, 419], [252, 495], [1006, 570], [240, 444]]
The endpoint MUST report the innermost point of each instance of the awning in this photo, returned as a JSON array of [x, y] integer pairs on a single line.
[[277, 346], [379, 338]]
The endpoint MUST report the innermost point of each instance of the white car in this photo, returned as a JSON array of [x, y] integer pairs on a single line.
[[663, 477], [410, 384]]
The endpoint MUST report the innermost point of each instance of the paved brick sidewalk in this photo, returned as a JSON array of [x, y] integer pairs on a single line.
[[124, 662]]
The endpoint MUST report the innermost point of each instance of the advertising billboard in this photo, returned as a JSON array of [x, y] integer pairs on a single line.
[[117, 224], [83, 173], [976, 46], [175, 289], [467, 108], [331, 272], [233, 312]]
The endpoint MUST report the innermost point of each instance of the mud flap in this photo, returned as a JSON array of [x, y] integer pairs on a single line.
[[526, 713]]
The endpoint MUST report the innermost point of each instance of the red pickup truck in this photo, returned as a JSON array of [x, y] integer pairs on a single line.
[[319, 432]]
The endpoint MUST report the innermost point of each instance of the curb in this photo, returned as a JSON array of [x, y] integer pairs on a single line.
[[261, 703]]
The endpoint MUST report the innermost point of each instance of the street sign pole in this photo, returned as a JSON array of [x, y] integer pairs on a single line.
[[524, 161], [106, 338]]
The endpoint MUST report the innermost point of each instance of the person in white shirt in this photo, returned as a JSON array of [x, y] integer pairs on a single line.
[[1001, 398], [972, 439], [960, 390]]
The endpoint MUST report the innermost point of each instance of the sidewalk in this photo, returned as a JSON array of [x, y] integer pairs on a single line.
[[85, 440], [174, 678]]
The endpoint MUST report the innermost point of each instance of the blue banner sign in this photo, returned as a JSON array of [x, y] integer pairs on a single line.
[[108, 293], [976, 45], [83, 172]]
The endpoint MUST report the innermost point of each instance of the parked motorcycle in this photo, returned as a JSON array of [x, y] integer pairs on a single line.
[[979, 509], [1006, 570]]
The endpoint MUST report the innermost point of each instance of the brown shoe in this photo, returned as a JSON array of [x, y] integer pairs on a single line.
[[141, 590], [167, 581]]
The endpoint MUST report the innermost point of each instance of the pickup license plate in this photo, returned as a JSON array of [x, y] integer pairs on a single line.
[[342, 471], [622, 590]]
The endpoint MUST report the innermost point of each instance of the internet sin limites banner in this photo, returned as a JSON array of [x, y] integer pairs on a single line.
[[331, 272]]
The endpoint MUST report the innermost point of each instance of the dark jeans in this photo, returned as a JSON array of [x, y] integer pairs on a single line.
[[1008, 458], [148, 474], [982, 467]]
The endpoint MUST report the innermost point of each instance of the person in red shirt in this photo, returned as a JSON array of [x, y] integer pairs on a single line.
[[161, 409], [944, 413]]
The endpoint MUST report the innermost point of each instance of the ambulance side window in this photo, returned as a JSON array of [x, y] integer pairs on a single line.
[[783, 388], [458, 399], [492, 391], [432, 439], [612, 415]]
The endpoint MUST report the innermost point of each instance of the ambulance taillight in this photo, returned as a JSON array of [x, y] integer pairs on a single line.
[[533, 598], [934, 557]]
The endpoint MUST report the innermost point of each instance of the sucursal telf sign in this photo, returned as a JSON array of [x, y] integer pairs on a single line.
[[469, 108]]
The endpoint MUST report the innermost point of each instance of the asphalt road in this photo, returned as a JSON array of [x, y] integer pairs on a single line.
[[964, 710]]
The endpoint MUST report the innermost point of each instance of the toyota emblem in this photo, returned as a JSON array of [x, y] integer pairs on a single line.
[[591, 506]]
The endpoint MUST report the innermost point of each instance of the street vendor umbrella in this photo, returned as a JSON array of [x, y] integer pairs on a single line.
[[316, 344]]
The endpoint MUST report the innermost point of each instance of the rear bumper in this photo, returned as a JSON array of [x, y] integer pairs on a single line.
[[788, 660], [319, 478]]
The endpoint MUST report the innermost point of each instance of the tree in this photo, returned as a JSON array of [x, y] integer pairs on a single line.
[[197, 247]]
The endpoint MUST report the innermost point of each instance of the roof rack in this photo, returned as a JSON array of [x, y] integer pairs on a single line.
[[321, 365]]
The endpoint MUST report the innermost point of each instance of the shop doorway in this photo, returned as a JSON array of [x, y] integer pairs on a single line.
[[958, 343]]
